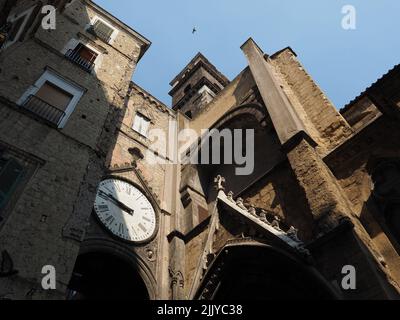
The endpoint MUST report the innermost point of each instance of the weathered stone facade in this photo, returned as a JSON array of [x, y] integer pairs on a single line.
[[324, 192]]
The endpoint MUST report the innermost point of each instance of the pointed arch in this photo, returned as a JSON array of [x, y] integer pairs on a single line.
[[253, 271]]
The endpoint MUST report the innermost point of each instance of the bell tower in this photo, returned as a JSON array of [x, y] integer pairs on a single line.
[[196, 86]]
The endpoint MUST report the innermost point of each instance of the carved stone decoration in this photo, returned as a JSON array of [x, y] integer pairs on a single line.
[[150, 254], [276, 223], [230, 196], [293, 234], [219, 181], [176, 278], [6, 265], [263, 217], [253, 211], [240, 204]]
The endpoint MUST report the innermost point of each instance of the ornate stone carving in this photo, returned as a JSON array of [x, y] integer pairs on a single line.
[[230, 196], [240, 204], [276, 223], [293, 234], [150, 254], [253, 211], [263, 217], [176, 278], [219, 181]]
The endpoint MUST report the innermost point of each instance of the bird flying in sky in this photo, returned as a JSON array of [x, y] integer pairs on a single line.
[[194, 30]]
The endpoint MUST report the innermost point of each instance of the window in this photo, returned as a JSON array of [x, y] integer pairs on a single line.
[[189, 114], [141, 124], [102, 31], [82, 56], [54, 95], [52, 98], [16, 168], [187, 89], [11, 172]]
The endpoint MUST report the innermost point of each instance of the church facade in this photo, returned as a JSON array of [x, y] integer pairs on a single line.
[[89, 197]]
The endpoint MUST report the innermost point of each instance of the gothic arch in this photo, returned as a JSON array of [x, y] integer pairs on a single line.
[[134, 261], [256, 110], [262, 272]]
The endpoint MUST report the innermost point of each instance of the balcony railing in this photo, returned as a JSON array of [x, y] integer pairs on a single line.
[[99, 34], [44, 110], [76, 58]]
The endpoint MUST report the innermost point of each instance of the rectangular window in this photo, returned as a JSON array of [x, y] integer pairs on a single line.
[[83, 57], [102, 31], [141, 124], [16, 169], [11, 172], [52, 98]]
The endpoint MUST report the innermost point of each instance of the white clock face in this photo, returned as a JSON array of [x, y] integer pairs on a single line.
[[125, 211]]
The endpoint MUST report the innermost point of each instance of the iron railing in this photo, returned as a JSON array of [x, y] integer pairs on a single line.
[[76, 58], [44, 110], [99, 34]]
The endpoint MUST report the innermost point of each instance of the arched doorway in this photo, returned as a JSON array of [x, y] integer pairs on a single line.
[[104, 276], [258, 272]]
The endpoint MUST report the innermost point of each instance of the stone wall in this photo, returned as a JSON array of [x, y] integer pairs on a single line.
[[48, 220]]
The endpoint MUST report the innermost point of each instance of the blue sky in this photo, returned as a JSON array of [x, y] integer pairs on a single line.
[[342, 62]]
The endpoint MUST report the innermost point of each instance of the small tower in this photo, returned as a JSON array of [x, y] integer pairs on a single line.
[[196, 86]]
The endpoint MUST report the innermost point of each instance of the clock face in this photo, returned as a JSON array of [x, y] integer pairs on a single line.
[[125, 211]]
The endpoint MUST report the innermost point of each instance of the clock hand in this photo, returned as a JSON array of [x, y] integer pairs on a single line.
[[118, 203]]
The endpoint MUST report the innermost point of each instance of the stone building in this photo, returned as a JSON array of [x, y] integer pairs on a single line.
[[84, 187]]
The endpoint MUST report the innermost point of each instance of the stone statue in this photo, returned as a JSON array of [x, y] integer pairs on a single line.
[[230, 196], [240, 204], [219, 181], [293, 234], [276, 223]]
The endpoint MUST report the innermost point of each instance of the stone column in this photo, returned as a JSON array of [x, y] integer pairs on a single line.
[[323, 193]]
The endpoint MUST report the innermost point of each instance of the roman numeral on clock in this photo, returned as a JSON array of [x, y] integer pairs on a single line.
[[141, 226], [110, 220], [146, 219], [103, 208]]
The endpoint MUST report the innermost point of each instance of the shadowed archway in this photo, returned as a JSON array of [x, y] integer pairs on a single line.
[[259, 272], [104, 276]]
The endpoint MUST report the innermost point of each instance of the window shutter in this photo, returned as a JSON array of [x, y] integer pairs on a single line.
[[103, 29], [136, 123], [54, 96], [10, 175], [141, 124], [145, 127]]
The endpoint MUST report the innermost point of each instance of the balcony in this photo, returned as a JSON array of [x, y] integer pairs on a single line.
[[44, 110], [75, 57], [97, 32]]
